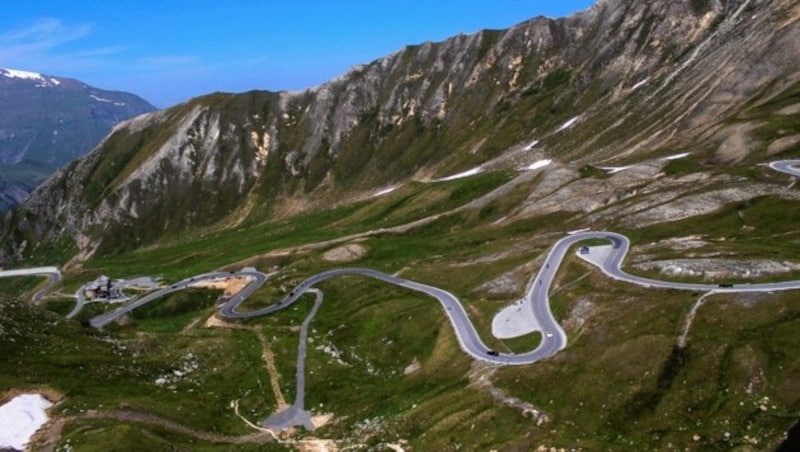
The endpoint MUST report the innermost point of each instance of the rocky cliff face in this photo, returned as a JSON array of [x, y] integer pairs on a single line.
[[623, 81], [47, 121]]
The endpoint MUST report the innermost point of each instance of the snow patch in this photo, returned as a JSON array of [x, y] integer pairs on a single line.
[[677, 156], [385, 191], [640, 84], [515, 321], [99, 99], [539, 164], [26, 75], [614, 169], [568, 124], [531, 145], [467, 173], [576, 231], [20, 418], [13, 73]]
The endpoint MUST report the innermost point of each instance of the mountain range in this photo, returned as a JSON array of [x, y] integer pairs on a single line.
[[619, 82], [48, 121], [457, 165]]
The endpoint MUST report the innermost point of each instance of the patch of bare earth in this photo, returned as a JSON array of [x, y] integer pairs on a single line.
[[346, 253], [321, 420], [231, 286], [480, 377], [791, 109], [783, 144], [413, 367], [793, 16], [737, 143], [269, 360], [216, 322], [48, 393], [266, 354], [191, 325], [316, 445]]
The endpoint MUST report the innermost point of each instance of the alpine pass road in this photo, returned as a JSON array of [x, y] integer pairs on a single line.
[[536, 299], [53, 275], [257, 277], [787, 166], [553, 337]]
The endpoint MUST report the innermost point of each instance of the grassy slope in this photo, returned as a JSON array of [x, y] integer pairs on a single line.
[[618, 384]]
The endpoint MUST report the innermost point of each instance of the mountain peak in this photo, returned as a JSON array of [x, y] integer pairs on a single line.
[[41, 80], [47, 121]]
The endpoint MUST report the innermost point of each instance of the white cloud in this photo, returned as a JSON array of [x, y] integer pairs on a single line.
[[40, 46], [52, 46], [41, 35]]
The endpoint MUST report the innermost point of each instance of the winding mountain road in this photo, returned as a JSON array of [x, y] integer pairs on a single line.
[[257, 277], [53, 275], [608, 258], [536, 299]]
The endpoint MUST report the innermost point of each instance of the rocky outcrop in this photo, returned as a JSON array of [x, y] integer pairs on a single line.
[[719, 269], [620, 80]]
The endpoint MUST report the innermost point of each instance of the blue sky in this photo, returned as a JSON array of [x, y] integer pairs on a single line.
[[169, 51]]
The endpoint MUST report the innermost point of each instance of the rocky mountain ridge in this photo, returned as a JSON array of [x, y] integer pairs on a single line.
[[623, 82]]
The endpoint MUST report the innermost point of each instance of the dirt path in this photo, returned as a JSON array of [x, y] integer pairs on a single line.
[[687, 324], [266, 353], [269, 360], [50, 435]]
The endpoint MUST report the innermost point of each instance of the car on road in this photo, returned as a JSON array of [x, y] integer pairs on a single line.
[[726, 285], [492, 353], [549, 334]]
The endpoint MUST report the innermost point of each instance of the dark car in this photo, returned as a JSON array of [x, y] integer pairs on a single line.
[[726, 285], [492, 353]]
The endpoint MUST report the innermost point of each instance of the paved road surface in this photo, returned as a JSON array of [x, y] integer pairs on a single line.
[[787, 166], [258, 279], [296, 414], [553, 338], [52, 273]]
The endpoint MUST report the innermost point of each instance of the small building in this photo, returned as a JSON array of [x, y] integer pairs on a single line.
[[101, 287]]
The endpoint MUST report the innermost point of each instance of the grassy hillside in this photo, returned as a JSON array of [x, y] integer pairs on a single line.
[[620, 384]]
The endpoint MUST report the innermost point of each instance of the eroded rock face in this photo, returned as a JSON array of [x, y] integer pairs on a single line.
[[719, 269], [619, 80]]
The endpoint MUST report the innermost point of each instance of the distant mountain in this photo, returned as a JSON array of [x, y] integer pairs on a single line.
[[47, 121], [456, 164]]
